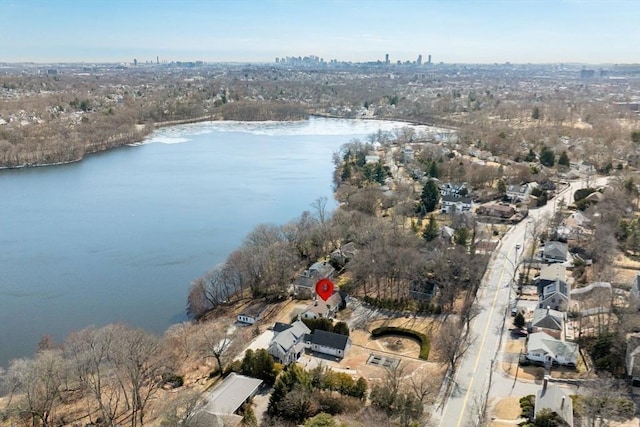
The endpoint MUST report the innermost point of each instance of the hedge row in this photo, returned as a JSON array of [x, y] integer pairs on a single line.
[[425, 345]]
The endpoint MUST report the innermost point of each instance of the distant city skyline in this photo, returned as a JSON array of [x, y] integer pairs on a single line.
[[464, 31]]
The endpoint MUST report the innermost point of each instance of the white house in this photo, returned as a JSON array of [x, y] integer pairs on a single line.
[[542, 347], [288, 344], [455, 204], [329, 343], [252, 313], [371, 158], [520, 193]]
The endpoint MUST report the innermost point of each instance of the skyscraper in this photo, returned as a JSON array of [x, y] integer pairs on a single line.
[[386, 59]]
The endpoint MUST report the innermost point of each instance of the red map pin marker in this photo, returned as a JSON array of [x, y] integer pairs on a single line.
[[324, 289]]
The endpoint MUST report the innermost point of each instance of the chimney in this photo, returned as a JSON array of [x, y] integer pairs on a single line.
[[562, 403], [548, 308]]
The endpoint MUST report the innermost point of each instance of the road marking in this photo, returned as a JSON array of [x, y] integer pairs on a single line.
[[484, 337]]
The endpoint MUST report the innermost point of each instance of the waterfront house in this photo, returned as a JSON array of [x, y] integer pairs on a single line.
[[252, 314], [306, 283], [288, 345], [329, 343], [320, 309]]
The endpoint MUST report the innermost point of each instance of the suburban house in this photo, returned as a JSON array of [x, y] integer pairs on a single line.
[[323, 309], [632, 359], [542, 347], [496, 210], [288, 343], [556, 400], [555, 295], [554, 252], [305, 285], [457, 190], [329, 343], [371, 158], [408, 154], [252, 314], [343, 254], [519, 193], [548, 321], [229, 396], [553, 272], [455, 204]]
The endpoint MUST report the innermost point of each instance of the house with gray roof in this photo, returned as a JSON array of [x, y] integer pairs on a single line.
[[549, 321], [305, 285], [542, 347], [229, 396], [329, 343], [252, 314], [288, 345], [343, 254], [556, 400], [555, 295], [554, 252]]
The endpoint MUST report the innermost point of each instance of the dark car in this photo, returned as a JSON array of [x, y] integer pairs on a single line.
[[521, 333]]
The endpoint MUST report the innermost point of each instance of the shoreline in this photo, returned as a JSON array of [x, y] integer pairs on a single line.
[[145, 130]]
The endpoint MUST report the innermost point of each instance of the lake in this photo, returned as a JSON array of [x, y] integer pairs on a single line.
[[119, 236]]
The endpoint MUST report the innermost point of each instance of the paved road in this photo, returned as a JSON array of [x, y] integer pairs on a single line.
[[478, 370]]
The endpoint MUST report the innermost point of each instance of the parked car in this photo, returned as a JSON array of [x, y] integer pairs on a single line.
[[521, 333]]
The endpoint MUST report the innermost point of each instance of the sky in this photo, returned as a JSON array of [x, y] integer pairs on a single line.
[[452, 31]]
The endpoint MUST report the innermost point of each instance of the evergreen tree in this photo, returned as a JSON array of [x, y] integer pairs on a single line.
[[430, 196], [563, 160], [431, 230], [461, 236], [518, 321], [433, 170], [547, 157]]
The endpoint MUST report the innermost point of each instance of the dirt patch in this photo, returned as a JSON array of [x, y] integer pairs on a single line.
[[514, 346], [507, 409]]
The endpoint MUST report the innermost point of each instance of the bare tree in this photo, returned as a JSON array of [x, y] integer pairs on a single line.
[[39, 383], [88, 353], [215, 341], [454, 341], [141, 360]]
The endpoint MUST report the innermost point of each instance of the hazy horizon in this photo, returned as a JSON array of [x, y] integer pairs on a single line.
[[251, 31]]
